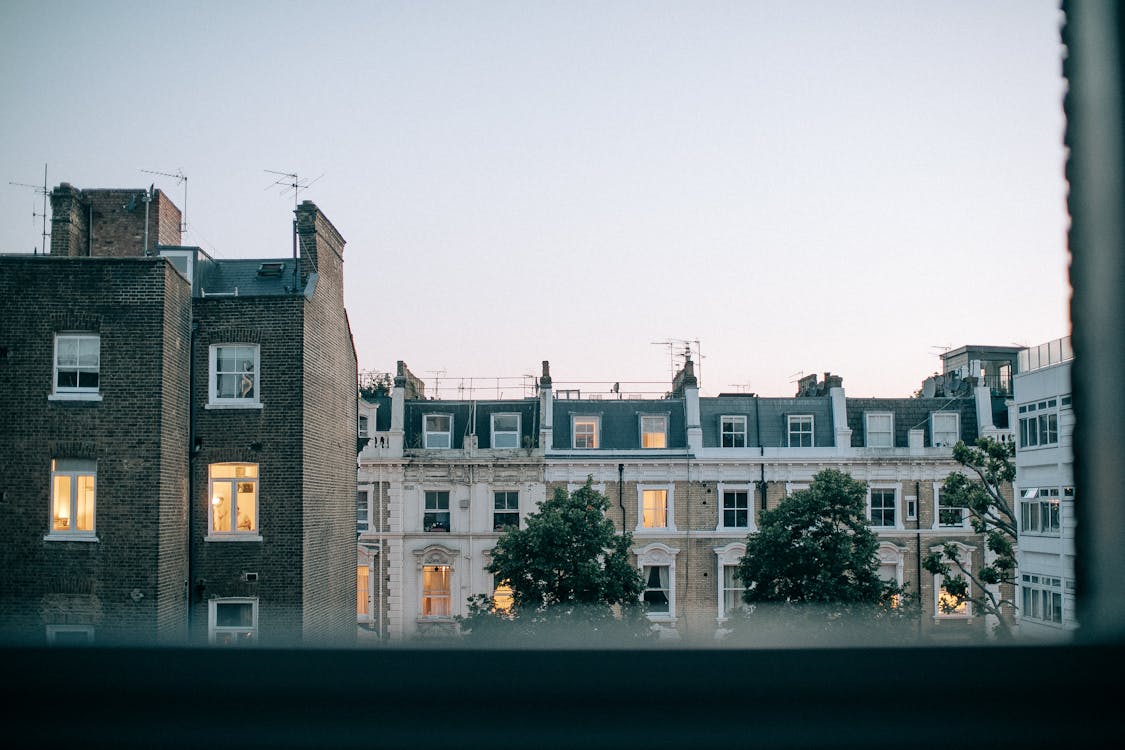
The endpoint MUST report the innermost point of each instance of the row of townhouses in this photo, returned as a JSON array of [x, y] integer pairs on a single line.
[[177, 434], [687, 476]]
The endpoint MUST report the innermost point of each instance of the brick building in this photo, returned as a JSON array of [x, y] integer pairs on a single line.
[[177, 441]]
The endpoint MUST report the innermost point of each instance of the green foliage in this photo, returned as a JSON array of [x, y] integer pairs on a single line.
[[811, 571], [571, 577], [993, 517], [379, 386]]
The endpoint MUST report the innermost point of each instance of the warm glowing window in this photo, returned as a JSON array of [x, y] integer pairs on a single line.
[[232, 622], [233, 510], [234, 375], [73, 492], [435, 591], [882, 506], [948, 606], [945, 429], [654, 509], [801, 431], [585, 432], [657, 589], [437, 431], [736, 509], [77, 363], [363, 591], [654, 432], [505, 430], [435, 515], [733, 431], [502, 598], [880, 430], [506, 510]]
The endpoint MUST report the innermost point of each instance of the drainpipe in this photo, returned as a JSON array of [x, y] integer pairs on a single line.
[[190, 469], [620, 490], [918, 562], [761, 447], [147, 197]]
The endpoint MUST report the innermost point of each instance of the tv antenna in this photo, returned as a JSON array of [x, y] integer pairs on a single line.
[[686, 351], [42, 190], [291, 182], [794, 377], [181, 179], [437, 379], [741, 387]]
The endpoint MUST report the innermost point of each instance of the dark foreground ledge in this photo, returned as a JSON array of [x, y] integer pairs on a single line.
[[974, 697]]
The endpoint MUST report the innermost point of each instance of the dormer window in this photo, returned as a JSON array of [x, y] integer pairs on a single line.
[[437, 430], [505, 430], [945, 429], [880, 429], [654, 432]]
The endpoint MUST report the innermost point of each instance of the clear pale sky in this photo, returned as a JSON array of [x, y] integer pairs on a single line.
[[799, 186]]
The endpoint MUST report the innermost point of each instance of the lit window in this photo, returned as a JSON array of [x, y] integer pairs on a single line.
[[77, 363], [730, 598], [436, 511], [233, 510], [363, 592], [736, 509], [733, 431], [1039, 511], [881, 506], [657, 590], [945, 429], [801, 431], [362, 511], [654, 509], [73, 497], [654, 432], [234, 375], [947, 604], [435, 591], [505, 430], [70, 635], [890, 565], [232, 622], [586, 432], [437, 430], [880, 430], [502, 597], [506, 510]]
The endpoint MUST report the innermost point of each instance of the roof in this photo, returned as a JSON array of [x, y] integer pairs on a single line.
[[258, 277]]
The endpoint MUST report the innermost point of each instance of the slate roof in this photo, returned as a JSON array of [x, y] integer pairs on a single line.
[[620, 421], [770, 415], [415, 410], [224, 276], [911, 413]]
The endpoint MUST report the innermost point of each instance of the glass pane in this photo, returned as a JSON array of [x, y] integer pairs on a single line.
[[88, 351], [234, 614], [363, 577], [220, 506], [85, 503], [655, 508], [60, 515], [247, 507], [88, 379], [505, 440], [227, 386], [67, 351], [67, 379], [506, 422]]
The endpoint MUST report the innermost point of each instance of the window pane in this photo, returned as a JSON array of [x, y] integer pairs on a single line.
[[363, 579], [60, 516], [506, 422], [655, 509], [85, 502], [234, 614], [247, 507], [221, 506], [67, 351]]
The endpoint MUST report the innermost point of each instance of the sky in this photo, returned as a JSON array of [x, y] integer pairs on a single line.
[[797, 187]]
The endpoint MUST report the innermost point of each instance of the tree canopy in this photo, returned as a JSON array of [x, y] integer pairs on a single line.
[[568, 570]]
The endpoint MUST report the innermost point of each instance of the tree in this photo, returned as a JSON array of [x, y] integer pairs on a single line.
[[990, 515], [813, 565], [570, 575]]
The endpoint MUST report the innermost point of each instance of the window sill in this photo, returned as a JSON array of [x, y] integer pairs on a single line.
[[232, 538], [70, 538], [654, 531], [74, 397], [238, 405]]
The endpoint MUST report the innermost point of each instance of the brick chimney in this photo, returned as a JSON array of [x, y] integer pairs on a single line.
[[321, 247], [111, 222]]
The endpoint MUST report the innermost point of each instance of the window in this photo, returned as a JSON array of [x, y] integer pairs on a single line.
[[362, 426], [948, 515], [232, 622], [654, 432], [73, 497], [732, 430], [736, 509], [947, 605], [1042, 598], [800, 431], [881, 506], [880, 430], [77, 364], [70, 635], [363, 592], [234, 375], [1039, 511], [1039, 427], [362, 511], [502, 596], [586, 432], [945, 429], [437, 430], [911, 507], [506, 510], [730, 598], [436, 515], [505, 430], [654, 508], [435, 591], [657, 589], [233, 510], [890, 558]]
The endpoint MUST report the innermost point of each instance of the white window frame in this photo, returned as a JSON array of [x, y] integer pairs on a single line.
[[964, 556], [659, 555], [447, 597], [868, 432], [735, 433], [363, 525], [214, 400], [1036, 516], [505, 434], [363, 599], [799, 420], [426, 509], [936, 433], [881, 488], [363, 426], [505, 510], [1041, 597], [214, 630], [720, 492], [436, 555], [76, 392], [429, 437], [1039, 424], [53, 632], [235, 534], [726, 556], [938, 509], [669, 519], [596, 435], [656, 429], [74, 469], [891, 554]]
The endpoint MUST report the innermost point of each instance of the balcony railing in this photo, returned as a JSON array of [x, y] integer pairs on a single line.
[[1044, 355]]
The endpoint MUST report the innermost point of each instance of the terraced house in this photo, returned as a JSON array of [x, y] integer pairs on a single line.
[[687, 476]]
